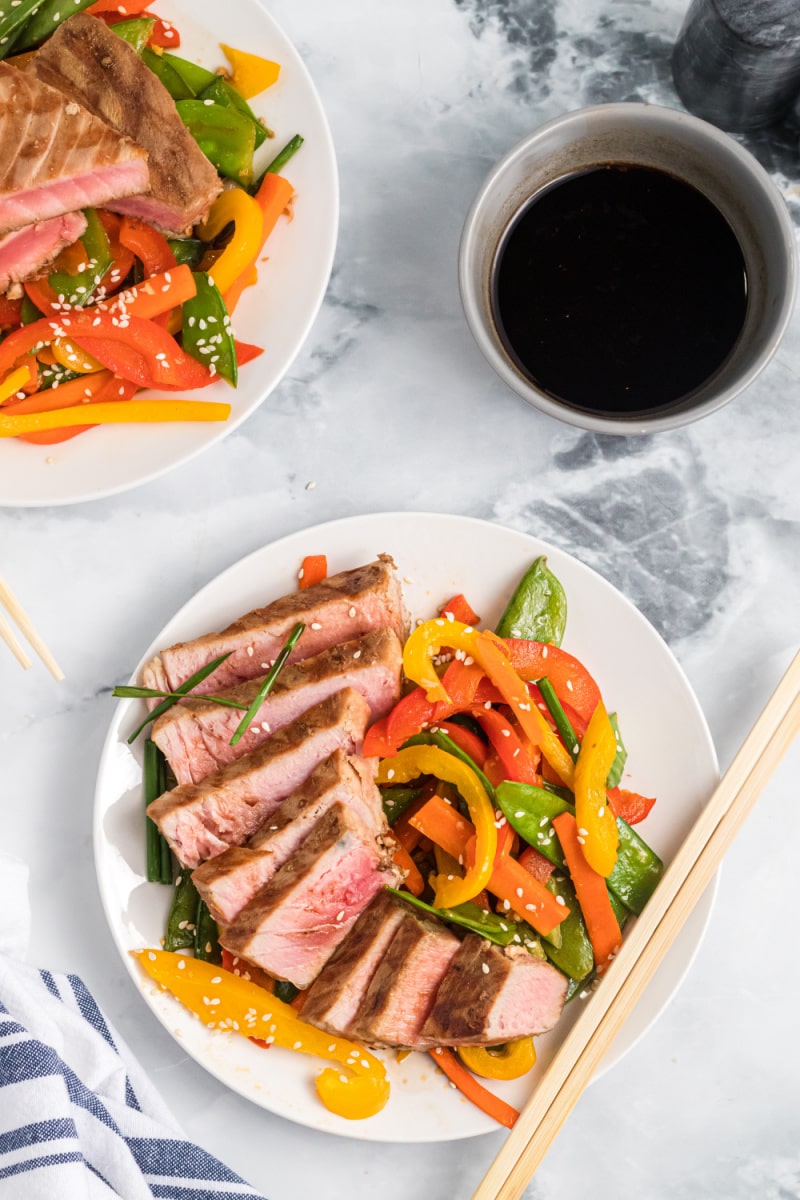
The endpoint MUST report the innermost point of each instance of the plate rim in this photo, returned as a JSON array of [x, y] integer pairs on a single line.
[[327, 151], [354, 1130]]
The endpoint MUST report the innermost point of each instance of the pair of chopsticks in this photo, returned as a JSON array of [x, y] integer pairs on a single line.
[[11, 604], [683, 884]]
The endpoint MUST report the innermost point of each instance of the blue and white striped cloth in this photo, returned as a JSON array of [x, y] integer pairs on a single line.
[[78, 1118]]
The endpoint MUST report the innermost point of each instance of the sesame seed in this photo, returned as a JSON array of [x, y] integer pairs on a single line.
[[560, 900], [390, 773], [250, 652], [485, 968], [601, 812], [351, 612], [356, 654], [332, 1048], [569, 685], [519, 814], [544, 652], [575, 748], [181, 964], [519, 893], [151, 956], [265, 726], [530, 908], [297, 1045], [340, 915], [311, 485], [582, 841], [583, 832], [316, 625]]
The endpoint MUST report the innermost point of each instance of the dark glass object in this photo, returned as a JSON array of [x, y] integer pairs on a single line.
[[736, 63], [619, 290]]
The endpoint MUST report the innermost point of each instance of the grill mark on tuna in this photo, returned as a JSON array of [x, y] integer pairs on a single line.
[[87, 62], [201, 820], [342, 607], [195, 735], [51, 148]]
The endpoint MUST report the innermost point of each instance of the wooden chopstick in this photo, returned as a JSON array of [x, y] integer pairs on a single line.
[[15, 610], [683, 883]]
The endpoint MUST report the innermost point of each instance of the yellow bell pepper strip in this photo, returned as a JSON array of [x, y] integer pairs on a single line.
[[509, 1062], [241, 252], [136, 412], [597, 826], [488, 651], [251, 74], [68, 355], [356, 1089], [14, 382], [430, 760]]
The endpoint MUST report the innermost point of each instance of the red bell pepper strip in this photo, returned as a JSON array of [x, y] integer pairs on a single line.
[[313, 570], [410, 715], [590, 887], [508, 745], [465, 739], [150, 247], [630, 806], [245, 353], [572, 682], [376, 742], [135, 349], [461, 610], [164, 33], [126, 8]]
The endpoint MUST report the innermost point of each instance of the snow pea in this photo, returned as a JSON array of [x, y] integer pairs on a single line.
[[195, 77], [12, 24], [207, 329], [538, 608], [574, 956], [501, 930], [617, 767], [226, 137], [135, 32], [172, 80], [78, 289], [187, 250], [397, 799], [46, 20], [182, 919], [530, 811], [206, 936], [222, 92]]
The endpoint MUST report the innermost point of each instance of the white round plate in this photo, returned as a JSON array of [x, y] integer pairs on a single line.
[[671, 757], [277, 313]]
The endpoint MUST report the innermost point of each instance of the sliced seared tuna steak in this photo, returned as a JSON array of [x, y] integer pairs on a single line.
[[336, 995], [195, 736], [88, 63], [488, 997], [341, 608], [200, 820], [230, 880], [403, 989], [26, 252], [293, 925], [57, 157]]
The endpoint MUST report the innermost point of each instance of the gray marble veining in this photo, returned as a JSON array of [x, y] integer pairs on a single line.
[[391, 406]]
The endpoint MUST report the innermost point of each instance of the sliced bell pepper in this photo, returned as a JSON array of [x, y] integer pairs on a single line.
[[590, 886], [430, 760], [72, 358], [313, 569], [510, 882], [226, 136], [165, 34], [150, 247], [235, 205], [14, 382], [508, 745], [207, 330], [251, 73], [137, 412], [129, 8], [134, 348], [356, 1089], [572, 682], [465, 739], [376, 742], [597, 827], [510, 1061], [630, 806], [460, 609]]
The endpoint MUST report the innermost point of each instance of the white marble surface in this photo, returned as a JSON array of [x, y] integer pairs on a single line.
[[390, 406]]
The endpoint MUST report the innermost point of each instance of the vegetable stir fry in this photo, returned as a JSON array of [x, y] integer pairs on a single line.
[[126, 307]]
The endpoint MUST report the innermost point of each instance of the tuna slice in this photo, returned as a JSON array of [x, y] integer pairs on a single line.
[[340, 608], [403, 989], [488, 997], [293, 925], [195, 736], [88, 63], [26, 252], [336, 995], [230, 880], [200, 820], [57, 157]]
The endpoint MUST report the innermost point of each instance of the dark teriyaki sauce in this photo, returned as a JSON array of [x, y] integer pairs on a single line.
[[619, 290]]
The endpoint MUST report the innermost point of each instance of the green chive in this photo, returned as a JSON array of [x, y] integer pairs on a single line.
[[191, 682], [157, 849], [143, 693], [266, 687]]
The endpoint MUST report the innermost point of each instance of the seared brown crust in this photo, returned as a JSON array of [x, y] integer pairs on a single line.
[[87, 62], [467, 992]]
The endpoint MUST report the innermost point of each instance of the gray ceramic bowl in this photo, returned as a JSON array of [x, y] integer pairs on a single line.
[[691, 150]]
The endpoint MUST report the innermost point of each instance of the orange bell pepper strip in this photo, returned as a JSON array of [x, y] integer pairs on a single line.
[[356, 1088], [590, 887], [597, 826], [468, 1085], [313, 569], [430, 760], [509, 881]]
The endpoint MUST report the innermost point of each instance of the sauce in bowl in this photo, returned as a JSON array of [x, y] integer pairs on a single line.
[[619, 289]]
